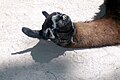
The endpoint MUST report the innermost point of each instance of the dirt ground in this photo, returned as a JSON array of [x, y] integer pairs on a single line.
[[43, 60]]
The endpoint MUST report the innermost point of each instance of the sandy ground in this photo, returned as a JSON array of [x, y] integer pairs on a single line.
[[42, 60]]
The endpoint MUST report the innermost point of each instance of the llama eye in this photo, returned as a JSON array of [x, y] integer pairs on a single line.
[[59, 18]]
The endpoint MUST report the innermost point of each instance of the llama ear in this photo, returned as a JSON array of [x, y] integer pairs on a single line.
[[45, 14]]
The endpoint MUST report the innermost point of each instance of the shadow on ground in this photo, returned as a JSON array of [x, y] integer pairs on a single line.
[[44, 51]]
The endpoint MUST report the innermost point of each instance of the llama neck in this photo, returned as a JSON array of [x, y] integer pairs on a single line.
[[96, 33]]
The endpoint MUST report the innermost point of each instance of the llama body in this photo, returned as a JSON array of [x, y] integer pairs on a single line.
[[62, 31], [98, 33]]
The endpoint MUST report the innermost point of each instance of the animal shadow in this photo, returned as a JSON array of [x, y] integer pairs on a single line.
[[44, 51]]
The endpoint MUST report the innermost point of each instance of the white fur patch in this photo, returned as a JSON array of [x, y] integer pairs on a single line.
[[51, 33], [46, 31], [53, 20], [72, 40], [64, 17], [54, 26]]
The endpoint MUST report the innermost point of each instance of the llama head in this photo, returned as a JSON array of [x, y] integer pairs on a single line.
[[55, 22]]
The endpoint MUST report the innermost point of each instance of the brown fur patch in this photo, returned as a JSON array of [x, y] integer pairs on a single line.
[[102, 32], [97, 33]]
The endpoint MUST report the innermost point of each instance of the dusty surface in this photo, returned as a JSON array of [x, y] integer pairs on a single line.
[[41, 60]]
